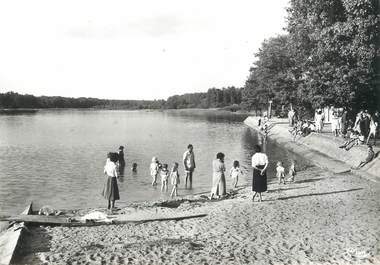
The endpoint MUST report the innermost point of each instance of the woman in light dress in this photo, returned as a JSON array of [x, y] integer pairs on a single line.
[[218, 177], [110, 189], [318, 121]]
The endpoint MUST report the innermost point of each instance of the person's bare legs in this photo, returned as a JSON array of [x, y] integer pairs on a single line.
[[260, 198], [191, 179], [254, 195], [369, 136], [174, 191], [234, 183]]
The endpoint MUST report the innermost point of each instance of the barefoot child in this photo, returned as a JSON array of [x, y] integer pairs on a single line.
[[174, 176], [164, 173], [292, 171], [154, 170], [235, 171], [280, 172]]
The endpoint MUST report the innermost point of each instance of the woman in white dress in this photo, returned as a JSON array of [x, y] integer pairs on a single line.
[[218, 177]]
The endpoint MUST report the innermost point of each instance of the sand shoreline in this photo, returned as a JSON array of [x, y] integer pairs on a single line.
[[322, 218], [325, 217]]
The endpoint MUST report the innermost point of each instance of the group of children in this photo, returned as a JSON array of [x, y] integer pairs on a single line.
[[280, 172], [158, 169]]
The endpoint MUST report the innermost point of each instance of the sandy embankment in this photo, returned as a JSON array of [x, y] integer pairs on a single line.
[[323, 218], [323, 149]]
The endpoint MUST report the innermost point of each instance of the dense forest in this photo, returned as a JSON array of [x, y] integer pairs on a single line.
[[329, 57], [226, 97]]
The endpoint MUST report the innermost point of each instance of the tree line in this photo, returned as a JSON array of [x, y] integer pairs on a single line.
[[15, 100], [330, 56], [213, 98]]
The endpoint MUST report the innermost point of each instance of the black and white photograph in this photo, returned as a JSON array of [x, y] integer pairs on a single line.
[[190, 132]]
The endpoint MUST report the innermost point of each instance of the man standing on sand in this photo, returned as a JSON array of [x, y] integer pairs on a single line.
[[189, 163]]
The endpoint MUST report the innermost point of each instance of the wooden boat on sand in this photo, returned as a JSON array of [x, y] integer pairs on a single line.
[[10, 237]]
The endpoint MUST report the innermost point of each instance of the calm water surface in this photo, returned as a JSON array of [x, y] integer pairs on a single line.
[[56, 157]]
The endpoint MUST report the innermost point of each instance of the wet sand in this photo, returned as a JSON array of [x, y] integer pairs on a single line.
[[322, 218]]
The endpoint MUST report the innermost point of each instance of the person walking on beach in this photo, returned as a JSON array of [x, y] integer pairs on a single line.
[[235, 172], [280, 173], [189, 163], [110, 189], [121, 161], [218, 178], [174, 177], [292, 171], [259, 179]]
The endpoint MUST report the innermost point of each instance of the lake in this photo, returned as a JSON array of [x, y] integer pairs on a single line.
[[56, 157]]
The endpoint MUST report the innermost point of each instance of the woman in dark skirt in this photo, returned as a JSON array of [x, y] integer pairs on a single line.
[[110, 189], [259, 179]]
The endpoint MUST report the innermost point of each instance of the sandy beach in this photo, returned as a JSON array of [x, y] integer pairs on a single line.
[[322, 218]]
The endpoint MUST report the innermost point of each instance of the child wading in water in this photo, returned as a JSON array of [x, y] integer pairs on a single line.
[[164, 173], [134, 167], [280, 172], [292, 171], [235, 172], [154, 170], [174, 176]]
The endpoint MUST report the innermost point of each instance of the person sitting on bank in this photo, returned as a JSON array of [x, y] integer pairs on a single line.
[[369, 158], [354, 140]]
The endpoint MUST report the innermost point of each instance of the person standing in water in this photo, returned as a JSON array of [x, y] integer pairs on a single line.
[[189, 163], [121, 162]]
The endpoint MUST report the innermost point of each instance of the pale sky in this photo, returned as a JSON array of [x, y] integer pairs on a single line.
[[147, 49]]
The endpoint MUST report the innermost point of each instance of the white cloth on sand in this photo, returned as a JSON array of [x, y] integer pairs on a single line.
[[96, 216]]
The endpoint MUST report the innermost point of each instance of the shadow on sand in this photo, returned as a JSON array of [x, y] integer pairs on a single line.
[[318, 194]]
